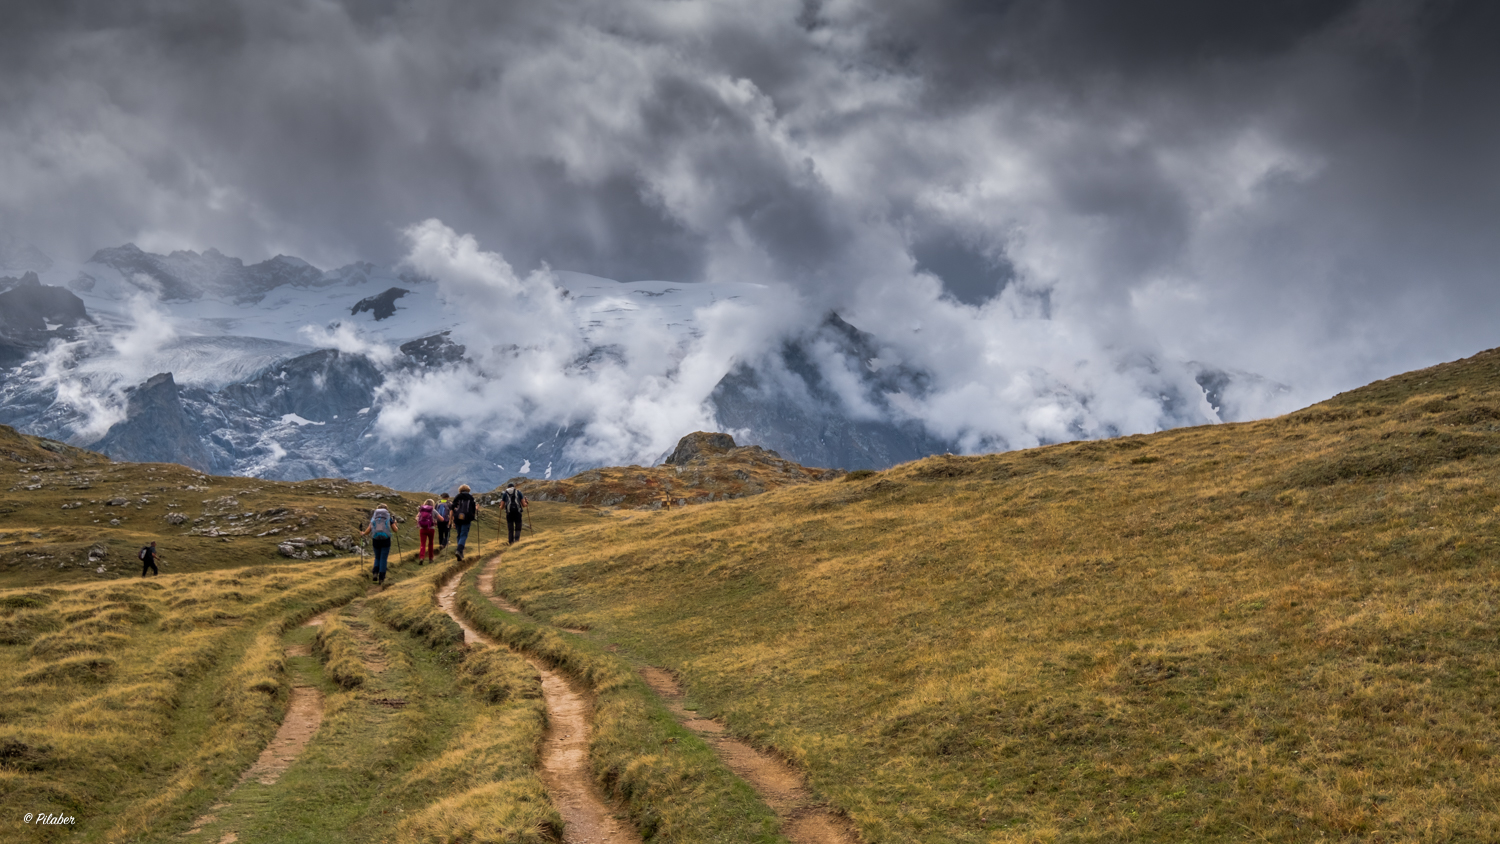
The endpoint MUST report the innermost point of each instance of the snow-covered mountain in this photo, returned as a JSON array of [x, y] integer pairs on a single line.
[[469, 374]]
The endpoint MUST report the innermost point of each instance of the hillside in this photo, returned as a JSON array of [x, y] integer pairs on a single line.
[[1280, 630], [704, 467], [72, 515]]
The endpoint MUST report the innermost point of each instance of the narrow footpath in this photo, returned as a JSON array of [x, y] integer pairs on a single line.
[[803, 819], [587, 818]]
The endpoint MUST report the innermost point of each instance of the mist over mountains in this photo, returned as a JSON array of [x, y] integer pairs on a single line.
[[453, 368]]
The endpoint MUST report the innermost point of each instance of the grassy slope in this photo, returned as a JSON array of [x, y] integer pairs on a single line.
[[228, 522], [1279, 630], [714, 474]]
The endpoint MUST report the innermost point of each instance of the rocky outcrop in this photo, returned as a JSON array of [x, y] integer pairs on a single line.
[[698, 446], [156, 428], [380, 306]]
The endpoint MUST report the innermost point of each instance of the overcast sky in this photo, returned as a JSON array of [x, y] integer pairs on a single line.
[[1303, 189]]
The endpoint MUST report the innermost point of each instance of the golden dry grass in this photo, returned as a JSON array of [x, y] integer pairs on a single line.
[[124, 699], [1280, 630], [671, 784], [713, 474]]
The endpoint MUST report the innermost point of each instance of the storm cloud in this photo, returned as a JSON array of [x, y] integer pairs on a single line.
[[1307, 190]]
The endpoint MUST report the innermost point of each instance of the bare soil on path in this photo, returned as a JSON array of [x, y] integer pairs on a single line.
[[803, 819], [587, 818], [303, 717]]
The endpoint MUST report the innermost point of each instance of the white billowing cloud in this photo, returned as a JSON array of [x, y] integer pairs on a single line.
[[630, 390], [1015, 372], [96, 401], [348, 338], [90, 375], [138, 346]]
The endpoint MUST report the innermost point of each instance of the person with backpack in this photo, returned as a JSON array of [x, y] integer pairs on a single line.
[[381, 528], [444, 513], [514, 501], [426, 530], [148, 559], [465, 510]]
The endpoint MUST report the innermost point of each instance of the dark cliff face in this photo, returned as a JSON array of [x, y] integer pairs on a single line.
[[317, 387], [27, 307], [786, 402], [156, 428]]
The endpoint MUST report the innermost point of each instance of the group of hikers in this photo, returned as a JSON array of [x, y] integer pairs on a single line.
[[436, 520]]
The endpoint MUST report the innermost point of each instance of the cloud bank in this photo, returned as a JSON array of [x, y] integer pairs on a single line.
[[1028, 198]]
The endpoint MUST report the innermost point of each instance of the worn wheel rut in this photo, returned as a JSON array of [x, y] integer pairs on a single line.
[[804, 820], [303, 717], [587, 818]]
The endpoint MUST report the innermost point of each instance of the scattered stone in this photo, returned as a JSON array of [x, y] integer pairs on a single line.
[[114, 522], [175, 518]]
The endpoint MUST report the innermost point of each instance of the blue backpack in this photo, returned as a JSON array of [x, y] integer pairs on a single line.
[[380, 524], [442, 511]]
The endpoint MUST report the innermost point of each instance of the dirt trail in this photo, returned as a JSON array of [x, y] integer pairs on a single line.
[[303, 717], [803, 819], [782, 787], [586, 817], [296, 730]]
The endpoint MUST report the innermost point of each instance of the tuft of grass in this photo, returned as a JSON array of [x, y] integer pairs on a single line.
[[411, 607], [340, 654], [514, 811], [496, 676]]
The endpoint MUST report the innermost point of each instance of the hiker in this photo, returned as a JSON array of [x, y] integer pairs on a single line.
[[465, 509], [514, 501], [380, 530], [426, 529], [444, 513], [148, 559]]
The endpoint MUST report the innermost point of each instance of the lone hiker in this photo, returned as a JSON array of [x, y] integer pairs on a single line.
[[380, 530], [148, 559], [465, 508], [514, 501], [444, 513], [426, 528]]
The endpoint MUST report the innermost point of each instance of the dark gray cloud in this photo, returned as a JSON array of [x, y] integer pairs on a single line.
[[1264, 184]]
